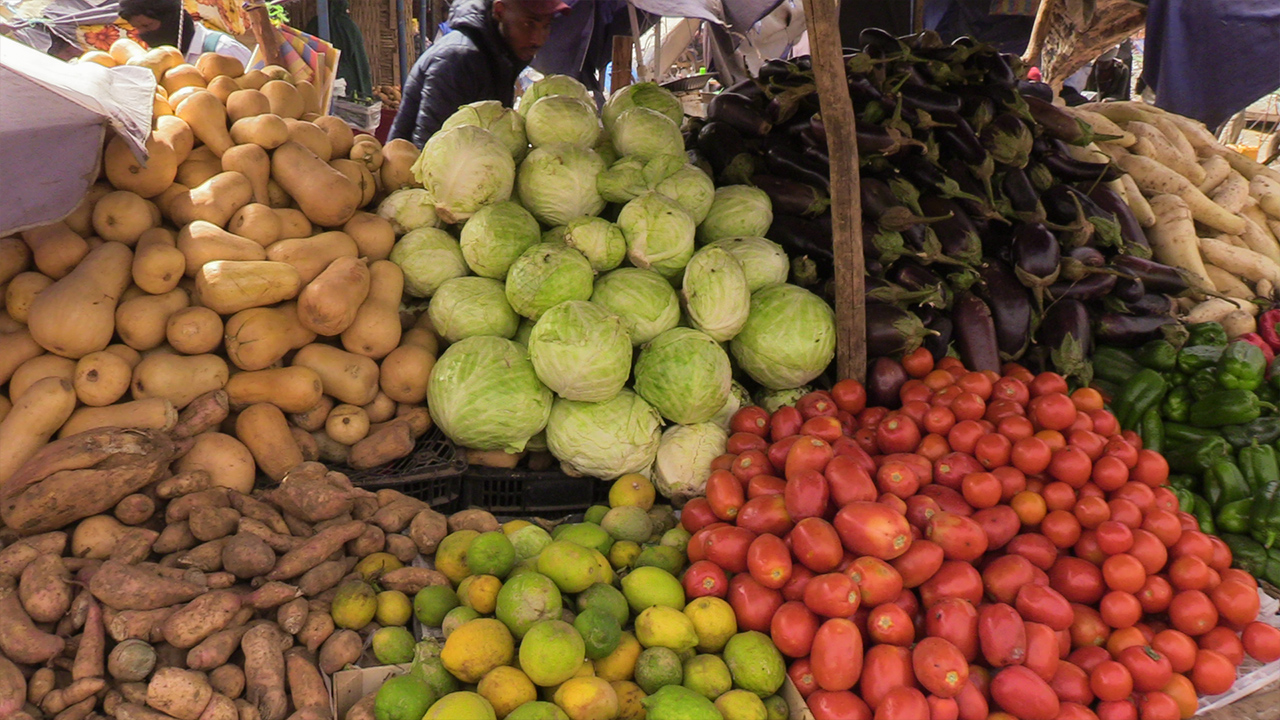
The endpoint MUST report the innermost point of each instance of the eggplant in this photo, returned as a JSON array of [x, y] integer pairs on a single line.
[[1110, 201], [978, 109], [1010, 306], [1155, 277], [790, 163], [1008, 139], [1037, 255], [880, 290], [1130, 330], [928, 99], [1151, 304], [892, 330], [1091, 287], [790, 197], [960, 139], [914, 276], [726, 150], [862, 90], [885, 379], [1055, 121], [739, 112], [938, 341], [1067, 168], [1037, 90], [1060, 205], [1068, 337], [879, 39], [959, 238], [776, 69], [999, 69], [1080, 263], [1022, 197], [975, 333], [817, 157], [1128, 287], [802, 236]]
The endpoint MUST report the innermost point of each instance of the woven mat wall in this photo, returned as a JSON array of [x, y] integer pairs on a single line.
[[377, 22]]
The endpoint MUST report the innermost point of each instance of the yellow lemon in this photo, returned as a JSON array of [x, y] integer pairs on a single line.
[[481, 593], [476, 647], [713, 621], [514, 525], [451, 555], [632, 489], [661, 626], [588, 698], [629, 697], [376, 565], [394, 608], [506, 688], [354, 605], [621, 663], [623, 553]]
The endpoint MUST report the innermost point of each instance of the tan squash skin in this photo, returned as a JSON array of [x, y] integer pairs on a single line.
[[292, 389], [76, 315]]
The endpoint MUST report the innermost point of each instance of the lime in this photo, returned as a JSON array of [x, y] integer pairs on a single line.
[[629, 700], [675, 701], [707, 675], [354, 605], [537, 710], [526, 600], [529, 541], [755, 663], [776, 708], [663, 518], [457, 617], [628, 522], [623, 554], [595, 514], [666, 627], [375, 565], [677, 537], [608, 598], [741, 705], [451, 555], [432, 603], [511, 526], [587, 535], [393, 645], [491, 553], [551, 652], [481, 593], [621, 663], [649, 586], [658, 667], [661, 556], [571, 566], [600, 632], [404, 697]]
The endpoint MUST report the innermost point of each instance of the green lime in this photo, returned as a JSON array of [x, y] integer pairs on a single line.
[[393, 645], [491, 553], [457, 617], [628, 522], [404, 697], [658, 667], [661, 556], [608, 598], [600, 632], [741, 705], [526, 600], [595, 514], [433, 602], [707, 675], [551, 652], [776, 708]]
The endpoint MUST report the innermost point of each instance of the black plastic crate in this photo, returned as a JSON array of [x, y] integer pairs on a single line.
[[432, 473], [522, 492]]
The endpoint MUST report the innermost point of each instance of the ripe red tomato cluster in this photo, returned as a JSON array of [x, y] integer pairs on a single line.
[[994, 549]]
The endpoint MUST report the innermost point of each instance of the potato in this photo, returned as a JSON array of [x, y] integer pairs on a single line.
[[211, 523], [341, 649], [200, 618], [404, 548], [96, 537], [317, 629], [135, 509], [180, 693], [473, 519], [264, 671], [312, 500], [410, 580], [45, 589], [227, 680], [247, 556], [427, 529]]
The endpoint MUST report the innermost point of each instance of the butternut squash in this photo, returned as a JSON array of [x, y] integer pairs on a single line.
[[328, 304], [251, 161], [264, 430], [310, 98], [158, 60], [340, 135], [16, 348], [39, 368], [252, 79], [125, 49], [178, 378], [247, 103], [165, 199], [101, 378], [5, 407], [348, 377], [398, 157], [15, 258], [35, 417], [8, 324], [266, 131], [421, 337], [360, 175], [208, 120], [142, 321], [202, 242], [292, 389], [376, 328], [277, 72], [55, 249], [126, 353], [21, 291], [182, 76], [194, 331], [258, 338], [99, 57], [222, 86], [373, 234], [368, 152], [226, 459], [123, 216], [323, 193], [311, 255], [157, 263], [199, 166], [76, 315], [160, 106], [347, 424], [277, 197], [215, 200], [404, 372], [293, 224], [174, 132], [147, 179], [229, 286], [81, 219], [257, 222], [313, 418], [212, 65], [149, 414], [381, 409], [310, 136]]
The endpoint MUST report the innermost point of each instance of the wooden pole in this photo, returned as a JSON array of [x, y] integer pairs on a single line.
[[620, 77], [264, 33], [846, 200]]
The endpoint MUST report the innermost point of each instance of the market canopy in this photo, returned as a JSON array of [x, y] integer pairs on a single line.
[[53, 121]]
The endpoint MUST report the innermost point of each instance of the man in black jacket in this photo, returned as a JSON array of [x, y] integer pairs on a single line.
[[490, 44]]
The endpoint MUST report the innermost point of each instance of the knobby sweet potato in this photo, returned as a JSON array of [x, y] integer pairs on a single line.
[[315, 550], [139, 587], [180, 693], [264, 672], [20, 640], [200, 618]]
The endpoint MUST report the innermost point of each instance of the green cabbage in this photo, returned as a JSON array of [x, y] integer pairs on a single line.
[[546, 275], [599, 240], [581, 351], [562, 119], [557, 183], [553, 85], [684, 374], [659, 234], [789, 338], [428, 257], [647, 95], [764, 261], [692, 189], [468, 306], [605, 439], [773, 400], [645, 301], [684, 458], [493, 116], [737, 211], [646, 133], [554, 235], [715, 293], [484, 394], [465, 169], [409, 209], [632, 176], [738, 399], [495, 236]]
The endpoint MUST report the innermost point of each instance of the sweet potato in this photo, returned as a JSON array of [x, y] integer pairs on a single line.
[[279, 542], [200, 618], [205, 557], [318, 627], [401, 546], [410, 580], [220, 707], [77, 692], [134, 545], [373, 540], [181, 693], [136, 711], [220, 580], [315, 550], [396, 516], [258, 510], [13, 688], [392, 441], [143, 625], [271, 594], [42, 681], [311, 499], [181, 508], [175, 537], [264, 672], [139, 587], [427, 529], [211, 523], [324, 576], [184, 484], [135, 509], [131, 661], [20, 640], [292, 615], [248, 711], [247, 556], [15, 558], [91, 654], [215, 650], [45, 589], [227, 680], [341, 649], [306, 686], [363, 709], [204, 413], [473, 519]]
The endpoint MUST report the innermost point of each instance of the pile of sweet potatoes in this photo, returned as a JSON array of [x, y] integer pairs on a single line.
[[135, 593]]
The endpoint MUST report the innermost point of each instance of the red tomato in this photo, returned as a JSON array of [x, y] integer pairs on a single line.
[[1087, 627], [696, 514], [1261, 641], [971, 701], [741, 442], [704, 578], [1224, 640], [876, 580], [750, 419], [785, 422], [1213, 673], [898, 479], [901, 703], [752, 603], [807, 454], [1111, 681], [794, 589], [827, 428], [1236, 602], [1042, 650], [849, 396], [943, 708], [919, 509], [956, 621], [1035, 547], [954, 579], [1158, 706], [816, 545], [1071, 465], [1044, 605], [801, 674], [818, 403], [805, 494], [1088, 657], [750, 464], [960, 537], [1079, 581], [769, 561], [940, 666], [897, 433], [1177, 647], [832, 595], [697, 548], [1152, 469], [873, 529], [1024, 694], [792, 629], [765, 514], [951, 469], [890, 624], [778, 451], [765, 485], [1117, 710], [1071, 683], [841, 705], [1150, 551], [884, 668], [919, 563], [949, 500], [727, 547], [1193, 613], [848, 481], [1002, 635], [725, 494], [1004, 576], [837, 655], [1150, 670]]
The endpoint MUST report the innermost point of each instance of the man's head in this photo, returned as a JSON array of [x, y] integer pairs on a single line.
[[158, 21], [526, 24]]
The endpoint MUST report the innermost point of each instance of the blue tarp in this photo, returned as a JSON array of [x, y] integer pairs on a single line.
[[1210, 59]]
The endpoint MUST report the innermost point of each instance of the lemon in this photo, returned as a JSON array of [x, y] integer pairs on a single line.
[[621, 663], [776, 708], [376, 565], [506, 688], [456, 618], [461, 706], [354, 605], [491, 553], [707, 675], [394, 608], [451, 555], [393, 645], [477, 647], [481, 593], [741, 705], [588, 698], [595, 514], [629, 697], [511, 526], [632, 489], [623, 554], [661, 626], [658, 667], [551, 652], [713, 622], [538, 711]]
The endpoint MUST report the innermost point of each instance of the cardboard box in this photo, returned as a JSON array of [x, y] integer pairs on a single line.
[[795, 703], [351, 685]]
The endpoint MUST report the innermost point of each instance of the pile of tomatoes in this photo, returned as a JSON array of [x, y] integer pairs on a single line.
[[994, 549]]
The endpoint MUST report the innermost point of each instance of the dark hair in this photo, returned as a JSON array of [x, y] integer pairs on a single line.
[[155, 9]]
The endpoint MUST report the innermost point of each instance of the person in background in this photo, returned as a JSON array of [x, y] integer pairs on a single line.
[[490, 43], [166, 22]]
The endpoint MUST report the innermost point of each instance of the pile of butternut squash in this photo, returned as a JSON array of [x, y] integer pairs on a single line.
[[236, 267]]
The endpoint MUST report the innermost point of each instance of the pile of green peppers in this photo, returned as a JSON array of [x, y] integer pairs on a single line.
[[1209, 407]]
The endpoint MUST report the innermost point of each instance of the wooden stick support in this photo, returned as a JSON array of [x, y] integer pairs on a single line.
[[846, 199], [264, 33], [620, 77]]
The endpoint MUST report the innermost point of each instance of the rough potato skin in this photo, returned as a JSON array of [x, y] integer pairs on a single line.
[[200, 618], [265, 672], [479, 520], [228, 680], [20, 640], [341, 649], [427, 529], [247, 556], [45, 589], [135, 509], [181, 693], [137, 587]]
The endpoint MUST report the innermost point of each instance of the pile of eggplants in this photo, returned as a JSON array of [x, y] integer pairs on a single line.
[[981, 231]]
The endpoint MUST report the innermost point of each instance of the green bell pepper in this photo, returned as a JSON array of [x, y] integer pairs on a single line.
[[1267, 393], [1247, 553], [1113, 365], [1264, 430], [1186, 499], [1259, 465], [1158, 355], [1225, 407], [1241, 367], [1264, 518], [1151, 430], [1141, 392], [1234, 516], [1272, 574], [1183, 481], [1176, 404], [1225, 484], [1204, 516], [1207, 333], [1197, 458], [1198, 357], [1178, 433], [1203, 382]]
